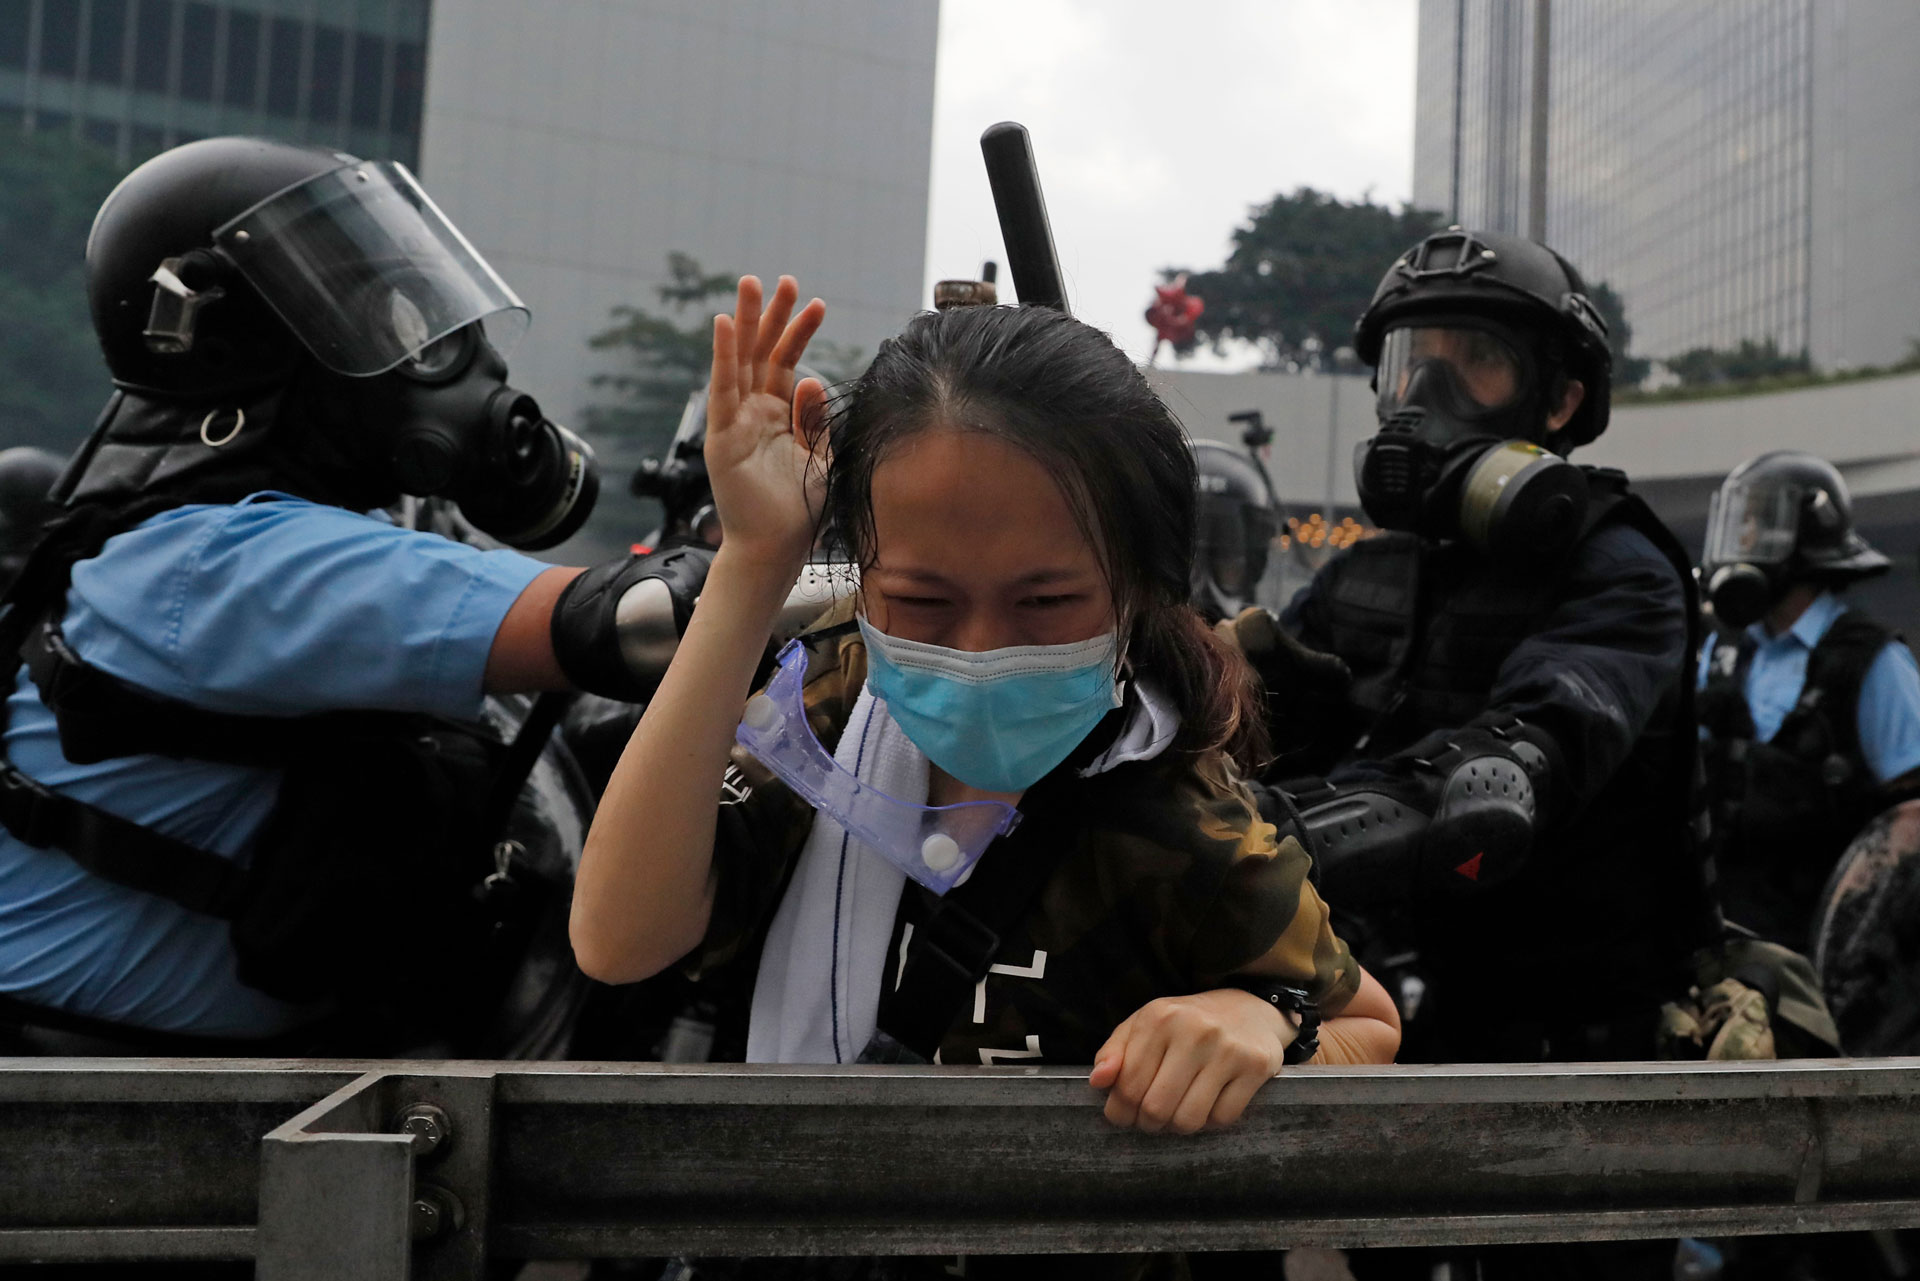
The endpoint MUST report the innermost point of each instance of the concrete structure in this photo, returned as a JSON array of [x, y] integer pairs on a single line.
[[1734, 171], [138, 76]]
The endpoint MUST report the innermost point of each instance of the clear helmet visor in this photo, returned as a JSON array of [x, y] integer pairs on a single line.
[[1482, 368], [366, 271], [1752, 524]]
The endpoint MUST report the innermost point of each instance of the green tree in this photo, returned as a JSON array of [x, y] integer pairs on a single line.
[[667, 357], [1628, 370], [664, 356], [1750, 361], [1303, 266], [53, 381]]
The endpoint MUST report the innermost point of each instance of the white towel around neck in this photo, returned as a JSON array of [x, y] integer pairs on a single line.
[[818, 991]]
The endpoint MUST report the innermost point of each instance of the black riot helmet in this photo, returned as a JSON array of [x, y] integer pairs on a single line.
[[27, 477], [1782, 518], [1474, 337], [1236, 521], [306, 311]]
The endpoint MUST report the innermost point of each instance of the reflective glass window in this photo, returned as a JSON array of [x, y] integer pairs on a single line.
[[152, 45], [409, 86], [369, 76], [59, 37], [196, 52], [14, 15], [243, 58], [329, 66], [107, 42], [283, 67]]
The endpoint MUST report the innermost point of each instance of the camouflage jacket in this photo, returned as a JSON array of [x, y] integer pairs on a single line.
[[1173, 884]]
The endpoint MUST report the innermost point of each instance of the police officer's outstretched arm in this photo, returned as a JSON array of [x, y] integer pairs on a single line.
[[1567, 709], [644, 890], [1589, 683]]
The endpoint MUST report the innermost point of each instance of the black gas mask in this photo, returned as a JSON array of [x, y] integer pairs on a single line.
[[444, 423], [1461, 403]]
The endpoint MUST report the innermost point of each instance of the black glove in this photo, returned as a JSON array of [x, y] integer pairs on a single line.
[[1306, 690]]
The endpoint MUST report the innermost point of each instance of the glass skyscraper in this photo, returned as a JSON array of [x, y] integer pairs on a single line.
[[1722, 166], [137, 76]]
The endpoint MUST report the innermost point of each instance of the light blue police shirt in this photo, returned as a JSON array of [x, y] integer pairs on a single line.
[[275, 606], [1889, 713]]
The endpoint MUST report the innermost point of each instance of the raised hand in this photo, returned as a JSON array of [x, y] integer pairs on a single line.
[[765, 447]]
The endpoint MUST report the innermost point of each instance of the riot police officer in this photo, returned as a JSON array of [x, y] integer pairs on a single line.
[[27, 475], [1500, 783], [1810, 708], [1236, 521], [253, 781]]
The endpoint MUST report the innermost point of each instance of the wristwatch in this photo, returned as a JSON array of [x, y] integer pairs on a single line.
[[1289, 1000]]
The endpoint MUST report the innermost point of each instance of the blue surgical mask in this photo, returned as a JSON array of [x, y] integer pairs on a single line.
[[997, 720]]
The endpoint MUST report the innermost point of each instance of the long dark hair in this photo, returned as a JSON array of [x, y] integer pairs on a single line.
[[1061, 390]]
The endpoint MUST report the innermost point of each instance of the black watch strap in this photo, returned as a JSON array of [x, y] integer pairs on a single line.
[[1288, 1000]]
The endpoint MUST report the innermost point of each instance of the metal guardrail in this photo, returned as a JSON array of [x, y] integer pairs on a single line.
[[390, 1170]]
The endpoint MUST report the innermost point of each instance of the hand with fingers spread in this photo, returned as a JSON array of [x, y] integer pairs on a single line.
[[1182, 1063], [765, 447]]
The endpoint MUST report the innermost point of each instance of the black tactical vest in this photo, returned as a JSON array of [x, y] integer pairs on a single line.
[[369, 885], [1614, 897], [1784, 810]]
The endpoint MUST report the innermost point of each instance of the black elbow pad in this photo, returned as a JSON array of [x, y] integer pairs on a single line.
[[1460, 821], [616, 626]]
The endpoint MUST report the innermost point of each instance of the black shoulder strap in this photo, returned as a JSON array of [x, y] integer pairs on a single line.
[[101, 717], [117, 850], [954, 945], [1837, 669]]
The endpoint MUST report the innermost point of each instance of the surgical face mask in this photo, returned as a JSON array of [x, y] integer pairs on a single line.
[[997, 720], [1453, 459], [936, 845]]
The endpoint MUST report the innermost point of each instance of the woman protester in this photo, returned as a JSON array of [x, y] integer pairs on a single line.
[[1024, 693]]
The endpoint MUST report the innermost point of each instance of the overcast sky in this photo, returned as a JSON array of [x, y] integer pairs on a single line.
[[1157, 123]]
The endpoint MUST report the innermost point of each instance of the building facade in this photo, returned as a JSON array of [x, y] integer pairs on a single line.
[[580, 144], [138, 76], [1736, 172], [577, 143]]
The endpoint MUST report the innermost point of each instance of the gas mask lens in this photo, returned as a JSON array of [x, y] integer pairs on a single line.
[[1481, 370]]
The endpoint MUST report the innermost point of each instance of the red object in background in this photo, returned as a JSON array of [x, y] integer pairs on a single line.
[[1174, 311]]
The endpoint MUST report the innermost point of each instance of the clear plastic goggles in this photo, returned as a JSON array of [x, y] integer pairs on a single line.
[[936, 845], [1485, 367], [365, 270], [1752, 524]]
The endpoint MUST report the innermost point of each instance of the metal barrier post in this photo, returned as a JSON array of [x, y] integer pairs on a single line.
[[386, 1179], [336, 1195]]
